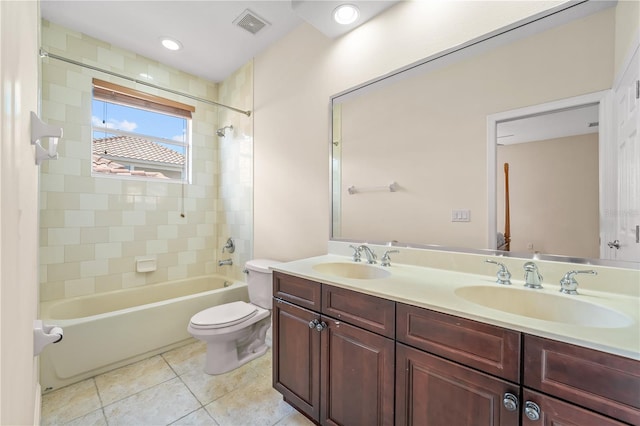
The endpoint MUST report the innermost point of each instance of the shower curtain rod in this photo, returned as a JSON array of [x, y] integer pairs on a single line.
[[44, 53]]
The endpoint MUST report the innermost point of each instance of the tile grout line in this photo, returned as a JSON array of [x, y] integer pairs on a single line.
[[179, 376], [104, 415]]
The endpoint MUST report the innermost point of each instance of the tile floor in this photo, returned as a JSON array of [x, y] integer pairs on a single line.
[[172, 389]]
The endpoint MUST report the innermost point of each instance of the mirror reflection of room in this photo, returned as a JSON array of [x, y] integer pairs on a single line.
[[552, 162], [428, 133]]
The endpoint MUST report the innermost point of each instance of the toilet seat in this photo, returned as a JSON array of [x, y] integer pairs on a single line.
[[222, 316]]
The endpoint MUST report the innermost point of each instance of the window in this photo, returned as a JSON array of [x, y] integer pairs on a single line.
[[139, 135]]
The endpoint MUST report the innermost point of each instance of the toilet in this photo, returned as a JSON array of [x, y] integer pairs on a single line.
[[235, 332]]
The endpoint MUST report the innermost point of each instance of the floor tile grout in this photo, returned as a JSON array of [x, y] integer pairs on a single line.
[[186, 365]]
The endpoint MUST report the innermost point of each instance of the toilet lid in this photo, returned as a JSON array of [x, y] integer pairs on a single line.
[[224, 315]]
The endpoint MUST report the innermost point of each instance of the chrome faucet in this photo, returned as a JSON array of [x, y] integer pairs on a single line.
[[371, 256], [386, 259], [569, 285], [226, 262], [357, 252], [532, 278], [503, 275]]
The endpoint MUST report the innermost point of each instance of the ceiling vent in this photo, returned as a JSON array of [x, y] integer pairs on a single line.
[[250, 21]]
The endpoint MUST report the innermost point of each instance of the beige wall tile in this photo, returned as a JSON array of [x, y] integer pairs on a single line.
[[79, 252], [99, 225]]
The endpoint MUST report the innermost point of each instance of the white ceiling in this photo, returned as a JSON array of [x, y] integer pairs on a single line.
[[556, 124], [213, 46]]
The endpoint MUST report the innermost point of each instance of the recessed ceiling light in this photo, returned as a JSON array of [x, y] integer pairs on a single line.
[[346, 14], [171, 44]]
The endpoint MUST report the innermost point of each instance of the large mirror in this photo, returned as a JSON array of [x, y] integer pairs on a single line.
[[437, 154]]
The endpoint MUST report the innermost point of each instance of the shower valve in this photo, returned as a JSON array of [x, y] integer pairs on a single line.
[[229, 246]]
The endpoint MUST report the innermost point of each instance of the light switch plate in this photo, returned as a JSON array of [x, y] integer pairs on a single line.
[[461, 215]]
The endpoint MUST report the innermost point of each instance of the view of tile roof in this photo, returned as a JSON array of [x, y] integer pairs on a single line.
[[106, 166], [136, 148]]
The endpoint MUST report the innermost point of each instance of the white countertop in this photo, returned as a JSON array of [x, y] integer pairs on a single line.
[[435, 289]]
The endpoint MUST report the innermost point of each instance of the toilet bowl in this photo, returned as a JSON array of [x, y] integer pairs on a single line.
[[235, 332]]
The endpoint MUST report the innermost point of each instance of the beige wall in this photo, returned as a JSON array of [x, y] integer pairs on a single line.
[[553, 191], [293, 82], [19, 390], [93, 228], [627, 30]]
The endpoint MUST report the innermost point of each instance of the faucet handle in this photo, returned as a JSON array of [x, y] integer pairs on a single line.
[[229, 245], [357, 252], [386, 260], [503, 275], [532, 277], [569, 285]]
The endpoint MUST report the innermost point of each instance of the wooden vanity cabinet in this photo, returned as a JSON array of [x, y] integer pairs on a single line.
[[433, 391], [371, 361], [606, 383], [296, 357], [554, 411], [434, 382], [338, 369], [485, 347]]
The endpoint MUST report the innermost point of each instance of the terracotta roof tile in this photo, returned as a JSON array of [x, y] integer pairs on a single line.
[[136, 148]]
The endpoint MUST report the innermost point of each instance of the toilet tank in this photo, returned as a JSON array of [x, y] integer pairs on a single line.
[[259, 282]]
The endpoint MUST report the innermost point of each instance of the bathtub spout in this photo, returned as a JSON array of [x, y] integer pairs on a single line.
[[225, 262]]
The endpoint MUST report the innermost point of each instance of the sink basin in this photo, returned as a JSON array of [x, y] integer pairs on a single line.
[[544, 306], [358, 271]]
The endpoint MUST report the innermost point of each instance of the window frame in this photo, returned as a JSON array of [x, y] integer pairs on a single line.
[[115, 94]]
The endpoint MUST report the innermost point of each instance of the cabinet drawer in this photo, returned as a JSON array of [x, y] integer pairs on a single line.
[[297, 290], [606, 383], [556, 412], [362, 310], [492, 349]]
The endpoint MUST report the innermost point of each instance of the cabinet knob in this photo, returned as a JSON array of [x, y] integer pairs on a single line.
[[531, 410], [321, 326], [510, 401], [314, 323]]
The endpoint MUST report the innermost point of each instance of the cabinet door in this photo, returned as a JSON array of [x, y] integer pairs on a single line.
[[357, 376], [296, 357], [554, 412], [431, 391]]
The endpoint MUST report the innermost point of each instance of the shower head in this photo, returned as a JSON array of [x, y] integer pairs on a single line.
[[222, 131]]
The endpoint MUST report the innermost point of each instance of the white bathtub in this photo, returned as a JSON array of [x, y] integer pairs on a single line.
[[109, 330]]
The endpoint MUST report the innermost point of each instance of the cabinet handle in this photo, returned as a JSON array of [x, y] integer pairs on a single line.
[[319, 326], [532, 410], [510, 401]]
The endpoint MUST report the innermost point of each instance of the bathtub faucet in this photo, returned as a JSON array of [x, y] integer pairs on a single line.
[[225, 262]]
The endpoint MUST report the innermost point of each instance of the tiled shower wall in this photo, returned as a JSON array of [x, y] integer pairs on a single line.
[[92, 229], [235, 196]]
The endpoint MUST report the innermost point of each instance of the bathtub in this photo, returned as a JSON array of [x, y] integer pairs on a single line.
[[110, 330]]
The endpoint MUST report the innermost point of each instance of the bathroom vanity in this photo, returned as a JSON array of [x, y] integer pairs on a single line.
[[359, 344]]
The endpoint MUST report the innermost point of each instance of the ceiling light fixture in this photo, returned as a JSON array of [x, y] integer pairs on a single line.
[[171, 44], [346, 14]]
